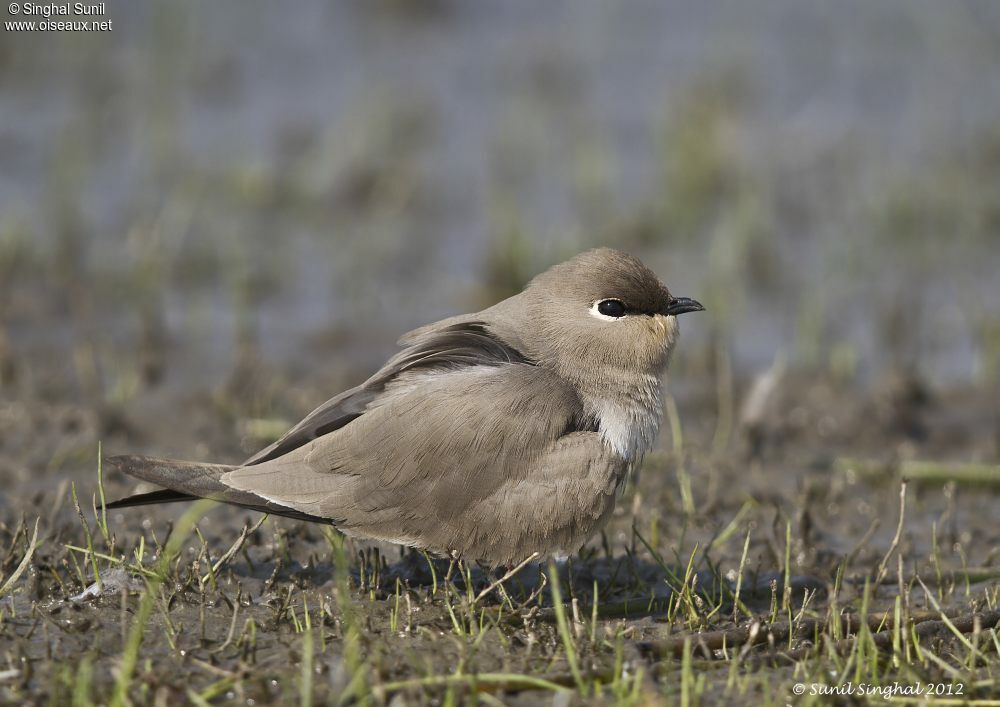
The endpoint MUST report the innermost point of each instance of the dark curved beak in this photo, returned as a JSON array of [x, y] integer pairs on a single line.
[[682, 305]]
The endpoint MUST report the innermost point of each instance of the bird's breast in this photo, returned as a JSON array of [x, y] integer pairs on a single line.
[[629, 422]]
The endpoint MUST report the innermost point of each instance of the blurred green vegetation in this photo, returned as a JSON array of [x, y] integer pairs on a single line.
[[142, 246]]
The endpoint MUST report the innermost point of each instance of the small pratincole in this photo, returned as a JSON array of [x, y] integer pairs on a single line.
[[489, 436]]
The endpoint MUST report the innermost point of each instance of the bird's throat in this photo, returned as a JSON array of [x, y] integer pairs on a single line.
[[628, 420]]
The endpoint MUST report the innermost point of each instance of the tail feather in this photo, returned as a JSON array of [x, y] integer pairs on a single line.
[[188, 481]]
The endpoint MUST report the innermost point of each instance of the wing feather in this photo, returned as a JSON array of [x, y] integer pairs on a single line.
[[419, 463], [460, 343]]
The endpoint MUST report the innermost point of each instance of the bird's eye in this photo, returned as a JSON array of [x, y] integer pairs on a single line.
[[611, 308]]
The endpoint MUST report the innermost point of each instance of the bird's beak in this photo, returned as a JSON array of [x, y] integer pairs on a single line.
[[681, 305]]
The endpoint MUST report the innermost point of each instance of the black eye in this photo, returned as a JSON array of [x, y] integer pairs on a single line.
[[611, 308]]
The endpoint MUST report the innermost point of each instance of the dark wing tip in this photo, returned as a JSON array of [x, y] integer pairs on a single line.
[[146, 499]]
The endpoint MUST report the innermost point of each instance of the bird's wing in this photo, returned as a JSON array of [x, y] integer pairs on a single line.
[[454, 343], [187, 481], [428, 451]]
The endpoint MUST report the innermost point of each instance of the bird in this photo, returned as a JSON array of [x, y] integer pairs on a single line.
[[492, 436]]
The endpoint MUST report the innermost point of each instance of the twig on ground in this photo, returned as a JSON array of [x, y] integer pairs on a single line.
[[880, 574], [231, 552], [23, 565], [883, 639], [510, 573], [926, 471], [776, 632]]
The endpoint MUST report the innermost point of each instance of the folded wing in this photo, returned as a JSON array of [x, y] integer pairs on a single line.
[[432, 448], [453, 343]]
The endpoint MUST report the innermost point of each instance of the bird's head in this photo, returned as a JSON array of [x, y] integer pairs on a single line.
[[600, 310]]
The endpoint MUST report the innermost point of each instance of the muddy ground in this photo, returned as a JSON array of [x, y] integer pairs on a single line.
[[808, 475]]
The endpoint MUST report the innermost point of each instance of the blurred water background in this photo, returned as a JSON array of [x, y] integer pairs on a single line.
[[215, 189]]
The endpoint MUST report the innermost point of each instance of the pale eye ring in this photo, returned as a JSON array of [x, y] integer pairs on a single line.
[[610, 308]]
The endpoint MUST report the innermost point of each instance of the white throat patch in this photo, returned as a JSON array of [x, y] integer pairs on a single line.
[[629, 426], [630, 431]]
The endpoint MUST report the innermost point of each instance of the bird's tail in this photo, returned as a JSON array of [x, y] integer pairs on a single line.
[[188, 481], [184, 481]]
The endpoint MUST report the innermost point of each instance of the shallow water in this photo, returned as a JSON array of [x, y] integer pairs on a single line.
[[340, 159]]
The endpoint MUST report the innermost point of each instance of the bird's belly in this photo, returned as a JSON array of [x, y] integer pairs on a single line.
[[508, 538], [550, 512]]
